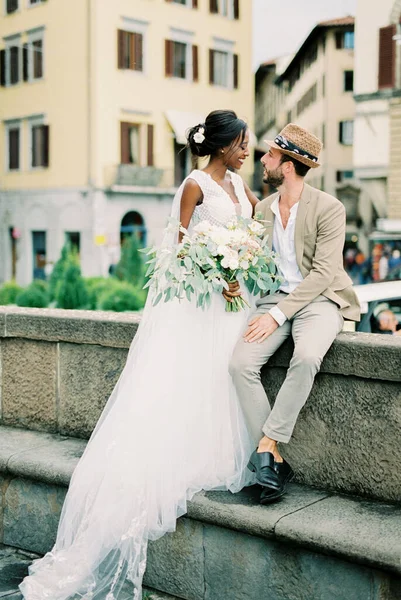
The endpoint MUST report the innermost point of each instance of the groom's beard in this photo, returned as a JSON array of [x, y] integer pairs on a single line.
[[275, 178]]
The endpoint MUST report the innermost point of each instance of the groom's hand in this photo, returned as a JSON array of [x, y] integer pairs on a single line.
[[260, 328]]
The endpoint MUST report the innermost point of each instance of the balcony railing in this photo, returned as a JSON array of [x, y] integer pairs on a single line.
[[133, 175]]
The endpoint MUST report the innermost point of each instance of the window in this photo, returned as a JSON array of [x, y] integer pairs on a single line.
[[349, 40], [223, 69], [346, 133], [344, 39], [136, 144], [33, 53], [22, 62], [130, 50], [11, 6], [344, 175], [226, 8], [73, 238], [39, 145], [181, 60], [307, 99], [39, 254], [13, 144], [34, 2], [348, 81]]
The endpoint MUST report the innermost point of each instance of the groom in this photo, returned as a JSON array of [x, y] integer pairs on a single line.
[[307, 229]]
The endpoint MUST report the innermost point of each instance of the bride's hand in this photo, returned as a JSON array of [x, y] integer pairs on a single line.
[[232, 292]]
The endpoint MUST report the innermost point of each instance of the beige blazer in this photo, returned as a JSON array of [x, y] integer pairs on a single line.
[[319, 243]]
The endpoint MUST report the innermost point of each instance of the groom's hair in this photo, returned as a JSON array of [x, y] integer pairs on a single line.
[[220, 129], [300, 169]]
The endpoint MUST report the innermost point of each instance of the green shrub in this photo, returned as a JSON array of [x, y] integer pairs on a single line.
[[9, 292], [95, 287], [35, 295], [71, 291], [120, 296], [58, 270], [131, 267]]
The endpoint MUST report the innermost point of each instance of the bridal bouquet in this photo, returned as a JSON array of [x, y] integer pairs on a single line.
[[210, 258]]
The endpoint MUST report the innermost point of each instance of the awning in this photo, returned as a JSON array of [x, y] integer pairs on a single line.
[[181, 121]]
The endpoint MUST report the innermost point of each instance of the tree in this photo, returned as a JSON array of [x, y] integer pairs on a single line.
[[131, 266], [58, 270], [71, 292]]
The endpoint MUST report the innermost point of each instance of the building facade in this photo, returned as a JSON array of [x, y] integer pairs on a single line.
[[95, 100], [315, 91], [377, 150]]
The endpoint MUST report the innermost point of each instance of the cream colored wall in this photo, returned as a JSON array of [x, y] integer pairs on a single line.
[[116, 90], [61, 96], [114, 94], [335, 106], [370, 16]]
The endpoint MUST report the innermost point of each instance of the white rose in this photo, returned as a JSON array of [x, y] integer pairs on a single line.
[[256, 227]]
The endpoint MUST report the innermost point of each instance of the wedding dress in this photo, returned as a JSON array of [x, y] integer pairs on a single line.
[[171, 427]]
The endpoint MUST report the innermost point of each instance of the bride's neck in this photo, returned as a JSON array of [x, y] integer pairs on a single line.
[[216, 169]]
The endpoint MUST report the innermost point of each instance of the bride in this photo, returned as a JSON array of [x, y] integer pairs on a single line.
[[172, 425]]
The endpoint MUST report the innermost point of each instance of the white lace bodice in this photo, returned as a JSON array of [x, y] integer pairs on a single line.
[[217, 206]]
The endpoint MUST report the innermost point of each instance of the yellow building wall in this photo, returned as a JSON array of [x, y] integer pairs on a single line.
[[117, 90], [84, 96], [61, 95]]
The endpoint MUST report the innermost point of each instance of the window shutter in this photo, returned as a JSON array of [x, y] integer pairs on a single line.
[[138, 53], [2, 68], [25, 72], [213, 6], [46, 146], [194, 3], [150, 145], [211, 66], [195, 64], [169, 58], [387, 57], [236, 9], [14, 64], [124, 143], [120, 48], [13, 148], [12, 6], [235, 64], [340, 132], [339, 40]]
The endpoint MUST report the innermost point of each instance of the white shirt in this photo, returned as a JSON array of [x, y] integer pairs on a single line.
[[284, 245]]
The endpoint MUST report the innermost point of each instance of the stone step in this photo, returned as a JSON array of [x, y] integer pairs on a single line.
[[228, 545], [14, 566]]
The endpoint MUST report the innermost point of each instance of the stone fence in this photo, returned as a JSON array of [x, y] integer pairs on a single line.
[[58, 367]]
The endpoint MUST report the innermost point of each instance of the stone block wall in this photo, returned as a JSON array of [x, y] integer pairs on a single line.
[[57, 369]]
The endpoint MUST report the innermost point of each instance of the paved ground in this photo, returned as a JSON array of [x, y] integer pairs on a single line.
[[14, 566]]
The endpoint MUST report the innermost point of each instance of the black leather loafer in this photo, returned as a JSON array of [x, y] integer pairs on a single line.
[[263, 465], [286, 474], [284, 471]]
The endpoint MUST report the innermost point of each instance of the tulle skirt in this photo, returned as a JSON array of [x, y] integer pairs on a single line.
[[172, 427]]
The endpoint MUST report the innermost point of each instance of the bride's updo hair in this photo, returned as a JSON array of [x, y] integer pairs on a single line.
[[219, 130]]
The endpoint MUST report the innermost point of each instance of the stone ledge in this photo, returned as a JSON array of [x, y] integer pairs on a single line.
[[354, 529], [365, 355], [78, 326]]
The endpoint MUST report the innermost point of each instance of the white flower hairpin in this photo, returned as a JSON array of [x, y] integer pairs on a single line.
[[199, 137]]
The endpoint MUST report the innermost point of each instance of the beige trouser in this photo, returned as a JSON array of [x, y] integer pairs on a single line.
[[313, 329]]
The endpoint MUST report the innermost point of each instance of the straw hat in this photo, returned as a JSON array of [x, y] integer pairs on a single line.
[[298, 143]]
